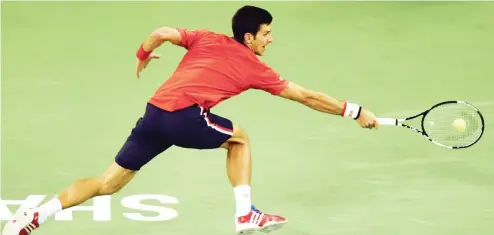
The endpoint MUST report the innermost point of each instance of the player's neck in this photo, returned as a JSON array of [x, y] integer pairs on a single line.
[[241, 43]]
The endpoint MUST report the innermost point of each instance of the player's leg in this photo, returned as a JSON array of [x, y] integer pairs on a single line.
[[144, 143], [110, 182], [239, 170], [239, 160], [80, 191], [211, 131]]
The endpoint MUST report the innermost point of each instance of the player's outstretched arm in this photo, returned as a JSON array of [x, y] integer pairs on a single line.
[[326, 104], [315, 100]]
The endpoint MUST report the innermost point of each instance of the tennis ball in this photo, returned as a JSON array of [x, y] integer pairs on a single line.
[[460, 124]]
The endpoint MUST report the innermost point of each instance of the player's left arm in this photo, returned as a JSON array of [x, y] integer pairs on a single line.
[[177, 36], [161, 35]]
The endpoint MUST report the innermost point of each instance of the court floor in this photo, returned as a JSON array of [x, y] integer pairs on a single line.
[[69, 98]]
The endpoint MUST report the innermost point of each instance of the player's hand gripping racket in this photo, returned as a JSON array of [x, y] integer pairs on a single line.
[[449, 124]]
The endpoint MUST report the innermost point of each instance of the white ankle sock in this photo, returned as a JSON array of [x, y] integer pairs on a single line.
[[48, 209], [242, 199]]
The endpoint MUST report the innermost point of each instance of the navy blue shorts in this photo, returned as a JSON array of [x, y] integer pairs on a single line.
[[192, 127]]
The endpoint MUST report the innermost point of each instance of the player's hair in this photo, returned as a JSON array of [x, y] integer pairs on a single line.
[[249, 19]]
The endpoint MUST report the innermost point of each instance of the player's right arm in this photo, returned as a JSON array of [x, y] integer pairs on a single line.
[[270, 81], [326, 104], [315, 100]]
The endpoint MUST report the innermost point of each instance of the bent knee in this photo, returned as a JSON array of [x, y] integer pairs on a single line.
[[239, 136], [114, 179], [109, 186]]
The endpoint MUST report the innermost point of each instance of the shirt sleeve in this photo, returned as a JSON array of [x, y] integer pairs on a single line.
[[269, 80], [190, 37]]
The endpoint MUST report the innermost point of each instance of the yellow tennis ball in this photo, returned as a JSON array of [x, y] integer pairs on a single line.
[[460, 124]]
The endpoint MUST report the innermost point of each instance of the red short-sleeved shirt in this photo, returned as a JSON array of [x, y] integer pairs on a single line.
[[215, 68]]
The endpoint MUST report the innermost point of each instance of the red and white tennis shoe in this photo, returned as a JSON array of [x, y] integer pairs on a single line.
[[22, 224], [258, 221]]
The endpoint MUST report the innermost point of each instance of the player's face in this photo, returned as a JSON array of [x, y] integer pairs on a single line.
[[261, 40]]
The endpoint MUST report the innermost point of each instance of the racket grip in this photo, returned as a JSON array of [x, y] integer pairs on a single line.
[[387, 121]]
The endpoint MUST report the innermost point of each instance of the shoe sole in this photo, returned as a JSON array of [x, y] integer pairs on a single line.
[[266, 229], [272, 227], [11, 229], [22, 222], [8, 229]]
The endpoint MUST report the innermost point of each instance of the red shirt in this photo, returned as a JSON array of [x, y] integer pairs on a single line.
[[215, 68]]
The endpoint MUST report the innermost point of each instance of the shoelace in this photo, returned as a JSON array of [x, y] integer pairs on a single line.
[[252, 207]]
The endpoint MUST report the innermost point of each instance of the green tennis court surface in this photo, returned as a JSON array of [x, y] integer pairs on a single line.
[[70, 98]]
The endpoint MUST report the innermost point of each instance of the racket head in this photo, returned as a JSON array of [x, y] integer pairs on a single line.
[[453, 124]]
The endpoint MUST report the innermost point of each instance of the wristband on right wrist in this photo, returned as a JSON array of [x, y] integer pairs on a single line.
[[351, 110]]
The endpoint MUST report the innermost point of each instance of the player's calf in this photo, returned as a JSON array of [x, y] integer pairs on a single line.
[[248, 219], [114, 179], [238, 166]]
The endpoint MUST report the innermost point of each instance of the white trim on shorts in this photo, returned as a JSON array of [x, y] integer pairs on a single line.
[[215, 126]]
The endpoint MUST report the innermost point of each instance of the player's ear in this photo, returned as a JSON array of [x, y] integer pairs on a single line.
[[248, 38]]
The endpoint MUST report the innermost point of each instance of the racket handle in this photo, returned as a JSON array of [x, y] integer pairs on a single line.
[[387, 121]]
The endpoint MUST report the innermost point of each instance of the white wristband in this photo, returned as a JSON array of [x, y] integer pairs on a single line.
[[352, 110]]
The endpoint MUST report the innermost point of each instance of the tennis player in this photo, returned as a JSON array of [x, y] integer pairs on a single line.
[[216, 67]]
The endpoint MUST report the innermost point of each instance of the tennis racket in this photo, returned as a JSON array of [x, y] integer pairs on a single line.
[[449, 124]]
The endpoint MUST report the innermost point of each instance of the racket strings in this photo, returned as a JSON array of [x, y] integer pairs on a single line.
[[453, 124]]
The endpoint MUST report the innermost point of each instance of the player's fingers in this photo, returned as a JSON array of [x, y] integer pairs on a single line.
[[143, 65], [139, 69], [370, 125], [155, 56], [376, 124]]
